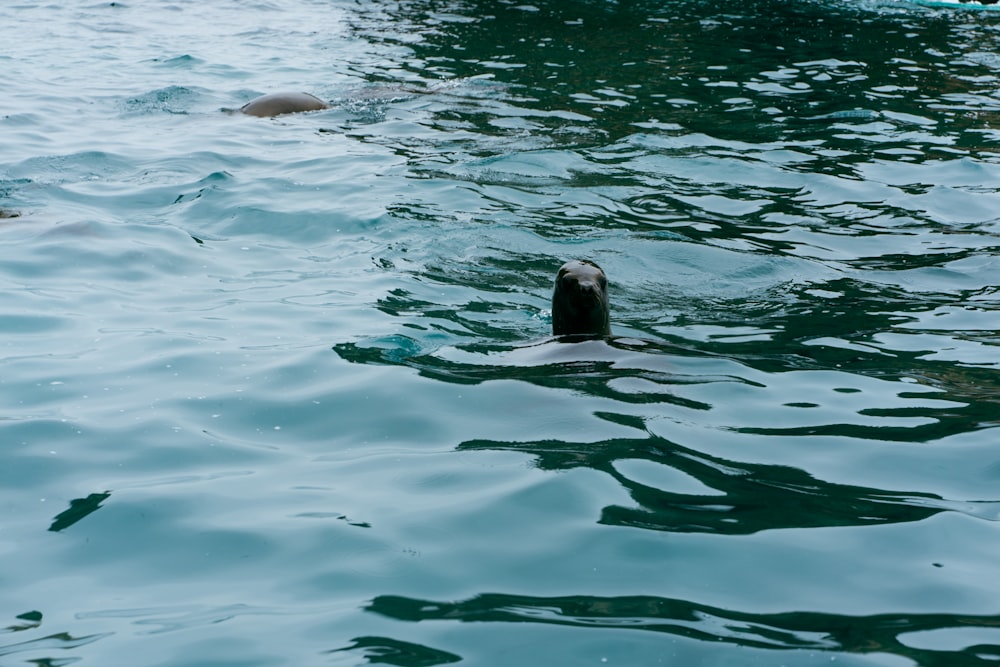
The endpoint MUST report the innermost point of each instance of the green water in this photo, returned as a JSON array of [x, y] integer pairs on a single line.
[[282, 392]]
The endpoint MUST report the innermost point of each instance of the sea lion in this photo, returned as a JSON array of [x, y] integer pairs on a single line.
[[277, 104], [580, 300]]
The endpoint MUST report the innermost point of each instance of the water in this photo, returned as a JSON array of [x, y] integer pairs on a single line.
[[279, 391]]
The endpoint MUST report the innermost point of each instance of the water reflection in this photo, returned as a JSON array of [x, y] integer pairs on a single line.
[[629, 62], [591, 366], [388, 651], [55, 644], [78, 509], [29, 620], [881, 633], [796, 377], [734, 498]]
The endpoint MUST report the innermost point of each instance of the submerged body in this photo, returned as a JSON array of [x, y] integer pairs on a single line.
[[580, 300], [277, 104]]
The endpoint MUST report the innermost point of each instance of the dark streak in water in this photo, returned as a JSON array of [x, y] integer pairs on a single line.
[[752, 497], [789, 630], [78, 509], [387, 651]]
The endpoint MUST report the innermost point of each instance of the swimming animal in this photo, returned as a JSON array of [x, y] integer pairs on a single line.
[[580, 300], [277, 104]]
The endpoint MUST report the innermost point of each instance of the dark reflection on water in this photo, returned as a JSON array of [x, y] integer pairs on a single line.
[[882, 633], [387, 651], [591, 366], [742, 498], [961, 399], [61, 641], [78, 509], [764, 71], [31, 620]]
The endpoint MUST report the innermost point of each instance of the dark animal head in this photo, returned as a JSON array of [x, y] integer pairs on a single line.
[[580, 300]]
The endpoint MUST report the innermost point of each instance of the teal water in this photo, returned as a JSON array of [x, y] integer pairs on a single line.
[[280, 392]]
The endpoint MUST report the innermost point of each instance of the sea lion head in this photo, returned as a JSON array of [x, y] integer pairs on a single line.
[[580, 300], [278, 104]]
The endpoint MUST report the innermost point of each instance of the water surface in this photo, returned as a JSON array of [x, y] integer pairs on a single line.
[[281, 392]]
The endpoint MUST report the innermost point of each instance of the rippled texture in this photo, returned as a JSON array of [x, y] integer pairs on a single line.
[[281, 391]]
